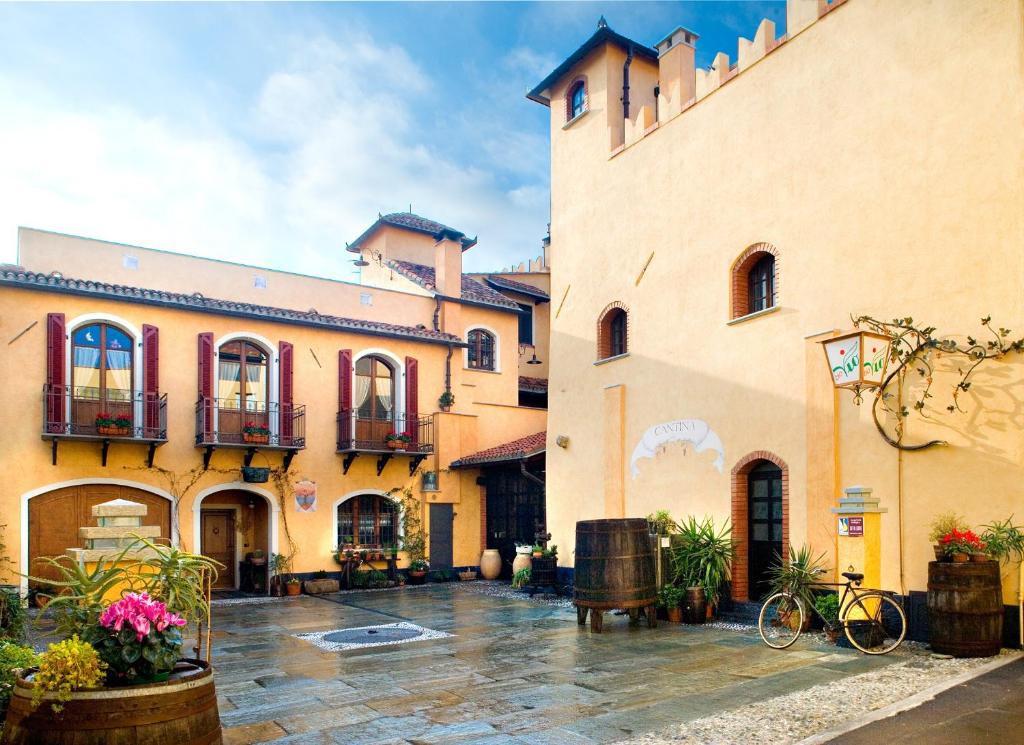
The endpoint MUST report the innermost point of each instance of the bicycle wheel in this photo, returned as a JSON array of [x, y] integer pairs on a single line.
[[781, 620], [874, 623]]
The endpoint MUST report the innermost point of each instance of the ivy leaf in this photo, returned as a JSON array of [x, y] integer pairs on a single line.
[[985, 321]]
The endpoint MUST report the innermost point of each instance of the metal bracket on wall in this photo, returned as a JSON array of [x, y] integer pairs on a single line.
[[347, 463], [249, 453], [383, 461], [152, 453], [288, 455], [103, 452], [415, 462], [207, 454]]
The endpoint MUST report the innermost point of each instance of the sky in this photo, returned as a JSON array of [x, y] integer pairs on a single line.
[[272, 134]]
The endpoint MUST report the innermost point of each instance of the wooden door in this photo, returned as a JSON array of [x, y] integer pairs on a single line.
[[764, 487], [218, 542], [55, 517], [374, 402], [441, 517]]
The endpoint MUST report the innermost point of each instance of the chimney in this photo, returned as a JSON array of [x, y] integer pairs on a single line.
[[448, 267], [676, 72]]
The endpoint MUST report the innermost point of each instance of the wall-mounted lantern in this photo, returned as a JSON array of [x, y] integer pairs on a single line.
[[857, 360]]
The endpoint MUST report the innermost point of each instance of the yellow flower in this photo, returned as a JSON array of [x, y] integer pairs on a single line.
[[67, 666]]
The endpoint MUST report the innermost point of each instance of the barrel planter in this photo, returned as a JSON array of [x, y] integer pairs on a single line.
[[695, 605], [965, 608], [614, 569], [180, 711]]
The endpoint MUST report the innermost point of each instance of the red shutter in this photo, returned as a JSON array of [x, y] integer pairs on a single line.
[[204, 412], [285, 356], [151, 378], [412, 398], [55, 360], [345, 419]]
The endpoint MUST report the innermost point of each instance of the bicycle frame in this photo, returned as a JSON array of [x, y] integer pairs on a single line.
[[854, 592]]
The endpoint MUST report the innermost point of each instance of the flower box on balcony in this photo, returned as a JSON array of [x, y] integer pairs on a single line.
[[106, 429], [255, 439]]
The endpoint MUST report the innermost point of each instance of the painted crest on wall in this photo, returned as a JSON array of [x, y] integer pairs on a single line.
[[305, 496], [696, 432]]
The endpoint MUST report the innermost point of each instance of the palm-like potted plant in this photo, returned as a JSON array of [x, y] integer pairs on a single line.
[[702, 555], [797, 576]]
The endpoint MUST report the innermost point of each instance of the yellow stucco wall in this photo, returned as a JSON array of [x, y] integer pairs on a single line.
[[888, 174]]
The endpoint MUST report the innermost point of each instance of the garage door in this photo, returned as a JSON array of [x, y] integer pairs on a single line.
[[55, 517]]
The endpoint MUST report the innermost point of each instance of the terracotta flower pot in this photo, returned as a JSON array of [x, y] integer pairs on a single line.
[[490, 564], [294, 588], [675, 615], [396, 444], [940, 555], [960, 558], [978, 558], [255, 439]]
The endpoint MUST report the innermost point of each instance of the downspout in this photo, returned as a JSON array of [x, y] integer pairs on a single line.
[[437, 314], [448, 370], [625, 83], [530, 476]]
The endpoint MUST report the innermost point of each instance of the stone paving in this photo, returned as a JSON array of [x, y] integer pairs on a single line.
[[512, 671]]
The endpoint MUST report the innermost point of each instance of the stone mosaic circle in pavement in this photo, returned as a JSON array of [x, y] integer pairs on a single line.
[[361, 637], [500, 670]]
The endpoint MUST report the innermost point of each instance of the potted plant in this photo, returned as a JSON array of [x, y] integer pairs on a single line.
[[293, 586], [446, 401], [256, 433], [538, 551], [467, 575], [1003, 540], [828, 606], [397, 440], [279, 564], [113, 424], [521, 578], [701, 555], [661, 523], [669, 598], [797, 576], [943, 524], [959, 545], [418, 569]]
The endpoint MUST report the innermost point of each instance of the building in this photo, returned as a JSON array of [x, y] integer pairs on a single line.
[[712, 227], [160, 378]]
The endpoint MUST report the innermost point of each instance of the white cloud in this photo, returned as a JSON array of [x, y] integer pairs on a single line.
[[330, 138]]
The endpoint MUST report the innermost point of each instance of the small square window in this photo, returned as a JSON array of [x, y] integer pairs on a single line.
[[130, 262], [365, 298], [260, 282]]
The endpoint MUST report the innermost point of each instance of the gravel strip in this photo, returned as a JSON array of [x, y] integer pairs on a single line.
[[795, 716], [498, 589]]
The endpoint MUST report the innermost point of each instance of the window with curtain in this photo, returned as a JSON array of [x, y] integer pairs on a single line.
[[374, 391], [102, 363], [481, 350], [369, 520], [242, 376]]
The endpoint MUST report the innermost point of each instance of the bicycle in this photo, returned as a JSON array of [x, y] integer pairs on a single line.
[[873, 622]]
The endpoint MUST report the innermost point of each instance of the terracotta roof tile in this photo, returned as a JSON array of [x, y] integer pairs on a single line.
[[515, 450], [471, 289], [533, 385], [511, 284], [14, 276], [414, 222]]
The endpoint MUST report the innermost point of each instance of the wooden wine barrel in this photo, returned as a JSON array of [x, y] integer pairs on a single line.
[[965, 608], [614, 564], [180, 711]]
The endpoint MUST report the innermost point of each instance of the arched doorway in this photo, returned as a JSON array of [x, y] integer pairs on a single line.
[[232, 525], [760, 518], [54, 518]]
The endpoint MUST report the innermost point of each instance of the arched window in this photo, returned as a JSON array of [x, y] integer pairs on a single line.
[[761, 284], [243, 392], [368, 520], [613, 332], [481, 350], [102, 375], [755, 280], [576, 99], [373, 398]]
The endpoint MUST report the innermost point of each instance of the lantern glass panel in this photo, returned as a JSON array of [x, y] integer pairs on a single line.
[[844, 359], [875, 355]]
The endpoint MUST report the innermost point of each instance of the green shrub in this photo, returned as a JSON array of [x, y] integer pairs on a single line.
[[828, 606], [12, 616], [521, 578], [13, 657], [670, 596]]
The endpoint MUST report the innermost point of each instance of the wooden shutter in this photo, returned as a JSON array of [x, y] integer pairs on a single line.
[[151, 378], [204, 412], [55, 361], [412, 392], [345, 419], [285, 356]]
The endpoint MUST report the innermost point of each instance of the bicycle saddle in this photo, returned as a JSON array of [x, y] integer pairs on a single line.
[[853, 576]]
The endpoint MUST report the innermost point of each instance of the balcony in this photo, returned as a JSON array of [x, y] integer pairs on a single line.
[[104, 416], [251, 426], [361, 435]]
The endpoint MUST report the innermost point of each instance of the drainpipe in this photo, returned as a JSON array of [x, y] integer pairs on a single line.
[[1020, 600], [448, 370], [437, 313], [625, 83], [530, 476]]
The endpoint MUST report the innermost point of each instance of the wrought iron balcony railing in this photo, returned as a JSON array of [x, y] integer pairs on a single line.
[[370, 435], [92, 413], [222, 421]]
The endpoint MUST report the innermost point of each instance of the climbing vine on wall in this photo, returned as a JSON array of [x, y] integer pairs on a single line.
[[917, 350]]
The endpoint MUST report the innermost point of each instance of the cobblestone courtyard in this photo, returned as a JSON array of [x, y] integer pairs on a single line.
[[512, 671]]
